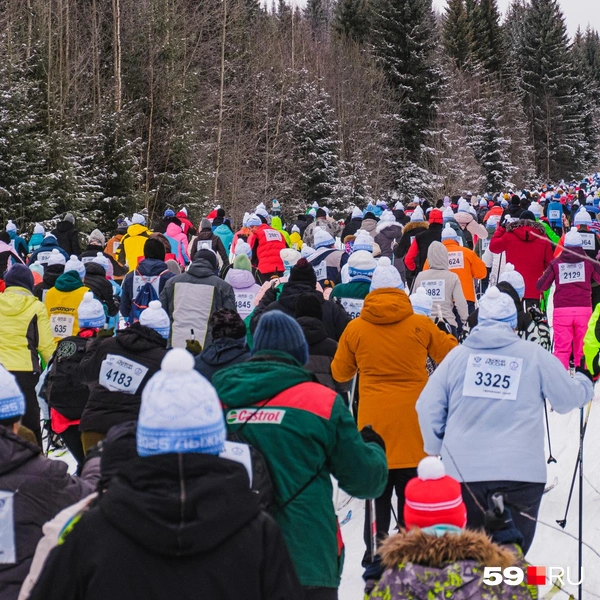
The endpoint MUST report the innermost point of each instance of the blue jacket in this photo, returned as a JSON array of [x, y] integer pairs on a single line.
[[35, 241], [485, 438], [149, 267], [225, 234], [47, 245], [19, 244]]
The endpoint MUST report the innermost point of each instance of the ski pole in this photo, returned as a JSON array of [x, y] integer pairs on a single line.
[[563, 522], [373, 524], [581, 432], [551, 458]]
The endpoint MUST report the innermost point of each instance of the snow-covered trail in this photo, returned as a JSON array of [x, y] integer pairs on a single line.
[[550, 547]]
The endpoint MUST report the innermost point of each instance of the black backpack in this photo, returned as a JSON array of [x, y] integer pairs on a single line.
[[63, 390]]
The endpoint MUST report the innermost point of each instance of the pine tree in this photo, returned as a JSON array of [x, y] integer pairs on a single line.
[[550, 99], [352, 19], [403, 44], [318, 15], [487, 38], [456, 33]]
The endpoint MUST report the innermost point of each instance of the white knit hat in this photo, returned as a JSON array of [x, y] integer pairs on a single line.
[[361, 264], [74, 264], [497, 306], [56, 258], [180, 410], [253, 221], [98, 237], [582, 217], [306, 251], [90, 312], [387, 216], [449, 233], [156, 318], [421, 302], [356, 213], [322, 238], [138, 219], [417, 215], [242, 247], [573, 238], [399, 206], [363, 241], [39, 229], [12, 401], [290, 257], [536, 209], [386, 276], [295, 229], [463, 206], [312, 212], [448, 213], [101, 260], [10, 226], [514, 278]]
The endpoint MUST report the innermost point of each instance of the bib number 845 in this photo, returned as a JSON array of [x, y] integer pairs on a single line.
[[492, 380]]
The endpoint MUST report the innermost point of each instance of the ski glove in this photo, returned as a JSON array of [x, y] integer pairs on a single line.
[[501, 526], [193, 346], [370, 436]]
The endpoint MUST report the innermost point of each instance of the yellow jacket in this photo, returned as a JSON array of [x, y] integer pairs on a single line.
[[132, 246], [296, 241], [25, 331], [62, 306]]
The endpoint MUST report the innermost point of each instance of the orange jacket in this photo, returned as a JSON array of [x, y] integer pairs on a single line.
[[468, 266], [388, 344]]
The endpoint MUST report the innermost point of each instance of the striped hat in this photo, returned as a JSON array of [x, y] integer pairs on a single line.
[[433, 498]]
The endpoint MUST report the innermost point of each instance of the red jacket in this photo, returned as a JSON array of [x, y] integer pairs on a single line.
[[266, 244], [186, 225], [528, 249]]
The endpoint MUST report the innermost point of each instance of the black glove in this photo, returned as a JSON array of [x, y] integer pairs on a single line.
[[585, 372], [443, 326], [370, 436], [501, 526]]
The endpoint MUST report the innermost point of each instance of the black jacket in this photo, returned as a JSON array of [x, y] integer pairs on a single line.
[[335, 317], [351, 228], [523, 317], [40, 489], [106, 407], [388, 237], [223, 352], [67, 238], [216, 245], [119, 271], [321, 350], [51, 274], [424, 240], [161, 226], [95, 279], [182, 526]]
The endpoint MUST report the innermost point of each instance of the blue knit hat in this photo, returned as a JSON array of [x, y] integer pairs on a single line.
[[19, 276], [180, 410], [169, 213], [277, 331], [12, 401]]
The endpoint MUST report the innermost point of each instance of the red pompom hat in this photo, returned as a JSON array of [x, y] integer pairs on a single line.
[[433, 498]]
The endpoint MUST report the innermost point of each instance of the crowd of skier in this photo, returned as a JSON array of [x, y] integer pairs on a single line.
[[211, 382]]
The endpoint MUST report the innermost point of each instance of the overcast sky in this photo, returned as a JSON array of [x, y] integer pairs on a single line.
[[577, 12]]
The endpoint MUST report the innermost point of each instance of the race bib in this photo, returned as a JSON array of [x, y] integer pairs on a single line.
[[554, 215], [87, 259], [571, 272], [588, 241], [239, 453], [436, 288], [492, 376], [204, 245], [244, 303], [139, 281], [43, 257], [456, 260], [272, 236], [62, 325], [8, 555], [485, 244], [352, 306], [116, 247], [120, 374], [321, 270], [44, 292]]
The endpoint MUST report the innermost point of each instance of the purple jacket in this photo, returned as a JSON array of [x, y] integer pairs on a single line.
[[573, 273]]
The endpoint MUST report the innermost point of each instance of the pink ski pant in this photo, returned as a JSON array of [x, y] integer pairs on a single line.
[[570, 325]]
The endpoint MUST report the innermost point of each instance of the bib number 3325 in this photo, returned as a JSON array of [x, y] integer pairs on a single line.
[[493, 376]]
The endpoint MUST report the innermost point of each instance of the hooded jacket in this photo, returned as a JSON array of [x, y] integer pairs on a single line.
[[115, 270], [444, 286], [191, 298], [19, 244], [140, 347], [51, 274], [375, 344], [95, 280], [574, 284], [67, 238], [470, 226], [508, 433], [183, 524], [222, 353], [388, 234], [527, 248], [39, 489], [131, 250], [179, 243], [149, 268], [42, 254], [370, 226], [112, 246], [224, 232], [278, 225], [418, 565], [62, 302], [417, 253], [466, 264], [320, 439], [25, 331], [351, 227], [329, 225], [334, 316], [216, 245], [267, 243], [410, 232], [245, 289], [186, 224]]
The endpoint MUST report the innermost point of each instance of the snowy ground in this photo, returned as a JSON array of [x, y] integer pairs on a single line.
[[552, 546]]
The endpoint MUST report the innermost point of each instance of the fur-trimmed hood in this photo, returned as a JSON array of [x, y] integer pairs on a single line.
[[417, 547], [414, 225], [526, 223]]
